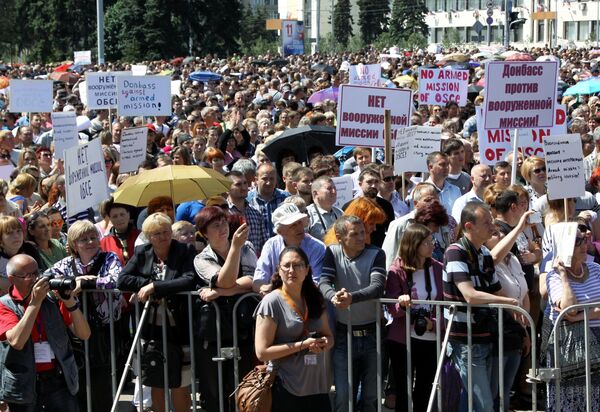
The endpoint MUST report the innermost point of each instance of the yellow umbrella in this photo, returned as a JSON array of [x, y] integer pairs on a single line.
[[181, 183]]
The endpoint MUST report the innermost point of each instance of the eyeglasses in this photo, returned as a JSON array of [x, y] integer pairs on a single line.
[[297, 266], [539, 170], [46, 154], [579, 240], [57, 223], [584, 228], [388, 179], [31, 275]]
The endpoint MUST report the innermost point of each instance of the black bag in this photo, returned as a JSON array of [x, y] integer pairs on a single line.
[[153, 359], [205, 318]]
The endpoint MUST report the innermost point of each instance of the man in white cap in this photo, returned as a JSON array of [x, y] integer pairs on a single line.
[[289, 224]]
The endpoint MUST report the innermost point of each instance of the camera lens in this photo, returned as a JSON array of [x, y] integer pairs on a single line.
[[62, 285]]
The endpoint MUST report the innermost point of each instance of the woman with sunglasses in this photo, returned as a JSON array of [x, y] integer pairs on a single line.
[[533, 171], [44, 156], [8, 154], [39, 232]]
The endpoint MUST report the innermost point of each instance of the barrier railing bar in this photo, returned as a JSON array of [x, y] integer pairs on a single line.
[[588, 377], [86, 348], [113, 356], [192, 354], [219, 358], [469, 358], [378, 339], [501, 359], [438, 372], [349, 354], [409, 379], [165, 322], [138, 349]]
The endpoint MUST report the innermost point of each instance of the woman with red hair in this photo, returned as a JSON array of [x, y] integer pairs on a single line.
[[216, 159], [369, 212]]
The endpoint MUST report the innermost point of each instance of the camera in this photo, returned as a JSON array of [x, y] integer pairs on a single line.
[[419, 319], [61, 285]]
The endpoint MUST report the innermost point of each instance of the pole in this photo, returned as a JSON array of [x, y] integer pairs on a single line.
[[489, 34], [387, 135], [100, 24], [506, 23], [597, 21], [556, 26], [515, 159], [318, 28], [566, 210]]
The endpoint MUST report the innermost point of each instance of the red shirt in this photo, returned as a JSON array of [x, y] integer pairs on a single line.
[[9, 319]]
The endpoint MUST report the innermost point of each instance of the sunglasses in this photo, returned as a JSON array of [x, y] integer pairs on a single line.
[[579, 240], [57, 223], [539, 170], [388, 179], [5, 156]]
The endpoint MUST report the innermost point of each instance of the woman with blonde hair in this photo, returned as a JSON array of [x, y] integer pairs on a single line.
[[367, 211], [20, 190], [533, 171]]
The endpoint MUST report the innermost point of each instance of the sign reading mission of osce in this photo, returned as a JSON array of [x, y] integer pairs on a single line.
[[361, 112], [440, 86], [520, 95]]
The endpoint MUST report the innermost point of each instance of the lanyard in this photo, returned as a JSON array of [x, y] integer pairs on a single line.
[[321, 217], [38, 326], [304, 317]]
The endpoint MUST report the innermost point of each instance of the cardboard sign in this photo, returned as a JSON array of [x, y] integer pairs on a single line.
[[413, 145], [6, 171], [292, 37], [30, 96], [85, 177], [133, 148], [494, 145], [139, 69], [101, 89], [440, 86], [563, 241], [365, 75], [343, 187], [144, 95], [564, 166], [361, 111], [64, 125], [520, 95], [82, 57], [175, 87]]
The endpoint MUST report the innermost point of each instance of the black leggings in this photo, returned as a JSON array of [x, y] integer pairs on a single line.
[[423, 362], [283, 401]]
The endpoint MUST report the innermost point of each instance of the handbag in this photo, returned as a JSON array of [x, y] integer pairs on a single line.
[[571, 349], [153, 360], [253, 394]]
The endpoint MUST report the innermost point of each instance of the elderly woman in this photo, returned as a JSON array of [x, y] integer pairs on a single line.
[[567, 286], [158, 270], [11, 244], [533, 171], [185, 232], [94, 269], [225, 267], [38, 231], [121, 237]]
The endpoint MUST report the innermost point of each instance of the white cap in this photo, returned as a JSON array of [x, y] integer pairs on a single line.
[[286, 214]]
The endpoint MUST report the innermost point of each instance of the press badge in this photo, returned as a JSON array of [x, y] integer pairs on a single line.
[[43, 352], [310, 359]]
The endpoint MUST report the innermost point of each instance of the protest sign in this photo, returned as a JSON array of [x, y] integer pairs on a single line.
[[413, 145], [64, 125], [101, 89], [82, 57], [6, 171], [360, 114], [144, 95], [292, 37], [563, 241], [30, 96], [139, 69], [175, 87], [365, 75], [440, 86], [133, 148], [520, 95], [343, 187], [494, 145], [564, 166], [85, 177]]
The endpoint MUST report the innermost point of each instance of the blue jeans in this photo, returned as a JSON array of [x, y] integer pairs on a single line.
[[512, 361], [364, 372], [481, 368], [52, 395]]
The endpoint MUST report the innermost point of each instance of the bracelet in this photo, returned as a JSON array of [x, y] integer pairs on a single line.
[[301, 343], [73, 308]]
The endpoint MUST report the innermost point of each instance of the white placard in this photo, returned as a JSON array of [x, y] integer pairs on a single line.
[[101, 89], [133, 148], [6, 171], [83, 93], [343, 187], [520, 95], [440, 86], [30, 96], [144, 95], [85, 176], [361, 111], [139, 69], [82, 57], [413, 145], [563, 241], [564, 166], [494, 145], [175, 87], [64, 125], [365, 75]]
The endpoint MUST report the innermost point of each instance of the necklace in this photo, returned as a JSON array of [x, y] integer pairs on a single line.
[[579, 276]]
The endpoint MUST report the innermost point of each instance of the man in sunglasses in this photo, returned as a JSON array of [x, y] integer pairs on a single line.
[[387, 191], [38, 366]]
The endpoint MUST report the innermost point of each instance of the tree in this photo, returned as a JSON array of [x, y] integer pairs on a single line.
[[372, 18], [342, 22], [408, 17], [254, 37]]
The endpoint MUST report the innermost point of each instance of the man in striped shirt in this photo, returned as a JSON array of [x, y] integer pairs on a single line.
[[469, 276]]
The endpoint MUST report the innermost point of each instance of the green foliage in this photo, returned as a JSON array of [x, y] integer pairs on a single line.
[[451, 38], [342, 22], [408, 17], [385, 40], [372, 18], [416, 41], [255, 38]]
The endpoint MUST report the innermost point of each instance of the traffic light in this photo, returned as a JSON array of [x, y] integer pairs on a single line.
[[514, 21]]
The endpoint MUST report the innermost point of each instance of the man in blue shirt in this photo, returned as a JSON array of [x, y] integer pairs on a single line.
[[266, 197]]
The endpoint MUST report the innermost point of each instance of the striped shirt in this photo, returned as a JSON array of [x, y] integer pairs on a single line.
[[483, 276]]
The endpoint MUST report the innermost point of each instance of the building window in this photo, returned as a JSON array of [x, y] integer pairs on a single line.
[[461, 5], [439, 35], [541, 28], [473, 4], [584, 31], [430, 4], [441, 5], [570, 30]]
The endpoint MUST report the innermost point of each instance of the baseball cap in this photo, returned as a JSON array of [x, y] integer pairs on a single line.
[[287, 214]]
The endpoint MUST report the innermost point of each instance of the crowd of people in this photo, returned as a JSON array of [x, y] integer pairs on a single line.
[[463, 232]]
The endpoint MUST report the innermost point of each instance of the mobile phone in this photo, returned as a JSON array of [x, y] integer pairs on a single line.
[[314, 335], [534, 218]]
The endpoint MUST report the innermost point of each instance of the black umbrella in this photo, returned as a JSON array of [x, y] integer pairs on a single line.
[[278, 62], [260, 62], [301, 141], [322, 67]]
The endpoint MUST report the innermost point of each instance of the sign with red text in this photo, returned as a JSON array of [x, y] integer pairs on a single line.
[[564, 166], [520, 95], [361, 112], [365, 75], [440, 86], [82, 57], [494, 145]]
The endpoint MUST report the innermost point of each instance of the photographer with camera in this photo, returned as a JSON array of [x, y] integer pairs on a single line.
[[38, 369], [413, 275]]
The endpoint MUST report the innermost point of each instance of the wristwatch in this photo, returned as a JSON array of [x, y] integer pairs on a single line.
[[74, 307]]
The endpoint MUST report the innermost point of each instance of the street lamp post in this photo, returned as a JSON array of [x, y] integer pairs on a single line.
[[100, 25]]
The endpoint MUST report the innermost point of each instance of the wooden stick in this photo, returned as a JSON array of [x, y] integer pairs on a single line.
[[387, 136]]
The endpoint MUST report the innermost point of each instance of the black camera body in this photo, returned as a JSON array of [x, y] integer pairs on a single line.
[[61, 285], [419, 319]]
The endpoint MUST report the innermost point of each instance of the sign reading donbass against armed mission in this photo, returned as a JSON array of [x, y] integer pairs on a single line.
[[102, 89], [520, 95], [86, 177], [361, 112], [143, 95]]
